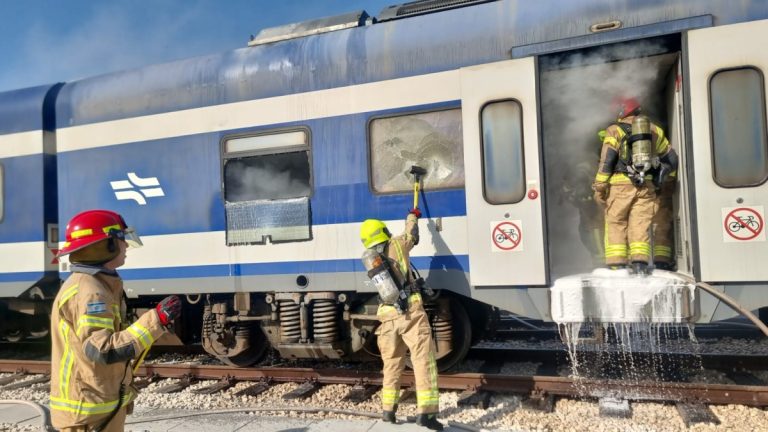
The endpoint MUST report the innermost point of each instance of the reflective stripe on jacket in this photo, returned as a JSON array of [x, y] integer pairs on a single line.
[[92, 351], [398, 252]]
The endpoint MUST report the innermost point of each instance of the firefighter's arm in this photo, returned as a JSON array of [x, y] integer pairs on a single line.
[[410, 237], [96, 316], [609, 156]]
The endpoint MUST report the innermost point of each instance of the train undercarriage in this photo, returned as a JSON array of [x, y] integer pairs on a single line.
[[240, 329]]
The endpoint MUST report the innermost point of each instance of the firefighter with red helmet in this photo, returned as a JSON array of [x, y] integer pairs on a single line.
[[94, 350], [404, 323], [635, 160]]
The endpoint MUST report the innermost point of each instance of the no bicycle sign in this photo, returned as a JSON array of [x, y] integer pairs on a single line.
[[743, 224], [506, 236]]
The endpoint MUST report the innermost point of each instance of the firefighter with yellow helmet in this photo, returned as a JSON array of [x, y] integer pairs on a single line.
[[94, 352], [404, 323], [635, 159]]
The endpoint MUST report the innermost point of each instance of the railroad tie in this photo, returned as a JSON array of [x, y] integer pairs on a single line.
[[474, 398], [614, 407], [183, 383], [360, 393], [12, 378], [693, 413], [219, 386], [256, 389], [20, 384], [543, 402], [305, 390]]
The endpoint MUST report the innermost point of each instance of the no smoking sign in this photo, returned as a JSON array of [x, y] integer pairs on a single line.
[[743, 224], [506, 236]]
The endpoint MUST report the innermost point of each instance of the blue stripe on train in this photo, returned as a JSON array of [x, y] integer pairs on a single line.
[[30, 277], [188, 169], [447, 262]]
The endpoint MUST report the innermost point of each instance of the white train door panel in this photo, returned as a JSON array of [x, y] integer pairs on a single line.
[[727, 67], [501, 161]]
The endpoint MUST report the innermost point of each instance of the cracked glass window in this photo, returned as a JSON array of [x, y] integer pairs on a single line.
[[431, 140], [267, 185]]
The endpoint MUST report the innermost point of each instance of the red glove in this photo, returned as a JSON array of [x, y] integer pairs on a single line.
[[168, 309], [416, 212]]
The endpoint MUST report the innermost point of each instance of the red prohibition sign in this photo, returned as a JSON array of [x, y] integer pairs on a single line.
[[751, 225], [500, 236]]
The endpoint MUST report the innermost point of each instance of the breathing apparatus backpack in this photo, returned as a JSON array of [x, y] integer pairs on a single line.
[[381, 274], [637, 153]]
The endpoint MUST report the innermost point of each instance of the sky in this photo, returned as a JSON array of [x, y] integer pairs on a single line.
[[48, 41]]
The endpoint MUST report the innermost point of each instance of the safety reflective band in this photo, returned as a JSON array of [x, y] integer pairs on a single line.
[[662, 251], [429, 397], [142, 334], [94, 321], [639, 248], [88, 408], [81, 233], [67, 294], [601, 177], [390, 396], [616, 250], [401, 259], [67, 360], [107, 229], [116, 313], [140, 360], [414, 298]]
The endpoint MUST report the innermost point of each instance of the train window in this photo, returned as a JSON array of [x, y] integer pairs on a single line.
[[431, 140], [267, 185], [502, 143], [739, 140]]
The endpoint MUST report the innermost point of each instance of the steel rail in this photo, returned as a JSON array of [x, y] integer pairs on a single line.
[[540, 385]]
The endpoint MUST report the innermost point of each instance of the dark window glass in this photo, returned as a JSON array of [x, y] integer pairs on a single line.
[[273, 176]]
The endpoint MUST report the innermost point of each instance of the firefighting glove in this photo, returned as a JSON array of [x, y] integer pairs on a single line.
[[168, 309], [416, 212], [601, 192]]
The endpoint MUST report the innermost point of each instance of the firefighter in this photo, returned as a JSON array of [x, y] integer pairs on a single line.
[[94, 352], [635, 156], [404, 323]]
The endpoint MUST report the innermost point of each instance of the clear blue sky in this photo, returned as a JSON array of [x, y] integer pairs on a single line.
[[46, 41]]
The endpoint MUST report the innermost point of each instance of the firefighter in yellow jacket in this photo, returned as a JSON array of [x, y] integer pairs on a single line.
[[94, 352], [404, 323], [635, 157]]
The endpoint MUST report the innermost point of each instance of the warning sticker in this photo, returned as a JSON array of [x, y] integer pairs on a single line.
[[743, 224], [506, 236]]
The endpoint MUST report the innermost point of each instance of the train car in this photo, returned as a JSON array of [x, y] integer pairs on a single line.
[[248, 173], [28, 211]]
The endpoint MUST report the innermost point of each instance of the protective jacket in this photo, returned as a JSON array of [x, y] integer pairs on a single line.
[[397, 252], [94, 354]]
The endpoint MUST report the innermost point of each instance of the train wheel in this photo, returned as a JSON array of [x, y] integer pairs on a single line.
[[253, 353]]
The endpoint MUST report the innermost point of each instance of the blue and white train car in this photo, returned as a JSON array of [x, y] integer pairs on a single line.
[[28, 212], [248, 173]]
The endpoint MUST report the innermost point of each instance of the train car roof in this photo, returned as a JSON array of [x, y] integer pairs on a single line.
[[421, 44], [26, 110]]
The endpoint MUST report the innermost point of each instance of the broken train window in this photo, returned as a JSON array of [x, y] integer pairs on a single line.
[[267, 186], [431, 140]]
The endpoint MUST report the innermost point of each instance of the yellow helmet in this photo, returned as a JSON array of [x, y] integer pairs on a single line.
[[373, 232]]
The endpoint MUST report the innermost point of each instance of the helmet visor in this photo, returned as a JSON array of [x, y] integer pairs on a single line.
[[132, 238]]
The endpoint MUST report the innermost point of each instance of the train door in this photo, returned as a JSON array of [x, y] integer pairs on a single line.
[[727, 66], [501, 161]]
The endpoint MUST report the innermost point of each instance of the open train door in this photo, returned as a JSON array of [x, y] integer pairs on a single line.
[[501, 161], [727, 67]]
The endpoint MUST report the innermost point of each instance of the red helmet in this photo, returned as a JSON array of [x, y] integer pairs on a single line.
[[624, 106], [92, 226]]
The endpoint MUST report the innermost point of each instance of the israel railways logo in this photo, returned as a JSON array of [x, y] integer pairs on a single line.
[[148, 188]]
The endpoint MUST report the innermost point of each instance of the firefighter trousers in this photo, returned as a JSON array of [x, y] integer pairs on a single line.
[[628, 216], [117, 424], [408, 331]]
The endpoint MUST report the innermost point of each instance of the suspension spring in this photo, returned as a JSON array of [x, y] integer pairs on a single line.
[[290, 322], [324, 320], [441, 323]]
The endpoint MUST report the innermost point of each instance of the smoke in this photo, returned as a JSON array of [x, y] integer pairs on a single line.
[[576, 95]]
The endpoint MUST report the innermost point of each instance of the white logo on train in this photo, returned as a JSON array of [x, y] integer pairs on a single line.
[[148, 188]]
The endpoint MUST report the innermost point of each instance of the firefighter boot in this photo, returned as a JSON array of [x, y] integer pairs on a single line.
[[429, 421], [640, 268], [389, 416]]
